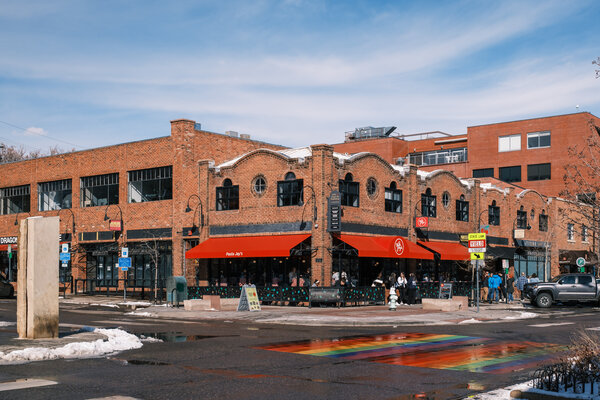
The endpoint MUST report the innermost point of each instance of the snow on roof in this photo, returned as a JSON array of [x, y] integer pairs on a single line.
[[489, 186], [300, 154]]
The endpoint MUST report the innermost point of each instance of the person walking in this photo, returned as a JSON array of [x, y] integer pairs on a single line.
[[411, 284], [521, 285], [401, 284], [484, 286], [494, 282]]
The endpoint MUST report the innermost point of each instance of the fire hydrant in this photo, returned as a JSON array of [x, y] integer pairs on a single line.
[[393, 298]]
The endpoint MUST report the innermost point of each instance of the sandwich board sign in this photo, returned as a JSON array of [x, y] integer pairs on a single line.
[[249, 299]]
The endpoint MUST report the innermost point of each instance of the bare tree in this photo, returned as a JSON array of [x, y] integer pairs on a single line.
[[152, 246], [597, 62], [18, 153]]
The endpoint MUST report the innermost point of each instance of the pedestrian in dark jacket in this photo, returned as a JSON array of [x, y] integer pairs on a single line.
[[521, 284], [412, 288], [510, 288]]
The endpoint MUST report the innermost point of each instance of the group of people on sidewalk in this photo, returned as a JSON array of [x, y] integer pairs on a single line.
[[496, 287], [405, 288]]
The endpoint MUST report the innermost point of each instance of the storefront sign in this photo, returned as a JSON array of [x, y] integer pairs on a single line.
[[399, 246], [114, 225], [421, 222], [8, 240], [533, 243], [334, 221]]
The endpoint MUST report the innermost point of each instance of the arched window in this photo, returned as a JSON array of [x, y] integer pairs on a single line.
[[494, 214], [521, 218], [393, 199], [228, 196], [462, 209], [543, 221], [289, 191], [349, 191], [428, 204]]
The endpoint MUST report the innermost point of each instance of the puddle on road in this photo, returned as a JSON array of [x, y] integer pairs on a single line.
[[448, 352], [174, 337]]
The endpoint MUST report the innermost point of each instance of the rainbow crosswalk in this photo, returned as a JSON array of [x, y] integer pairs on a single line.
[[453, 352]]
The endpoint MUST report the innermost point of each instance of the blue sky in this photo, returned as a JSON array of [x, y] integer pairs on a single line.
[[91, 73]]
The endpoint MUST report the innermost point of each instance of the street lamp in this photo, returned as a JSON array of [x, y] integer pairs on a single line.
[[17, 216], [314, 201], [120, 215], [72, 219], [199, 205]]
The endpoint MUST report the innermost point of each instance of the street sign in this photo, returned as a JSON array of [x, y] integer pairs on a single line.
[[125, 252], [477, 249], [115, 225], [477, 236], [477, 243], [64, 248], [65, 256], [64, 265], [124, 262], [477, 256], [9, 249], [580, 262]]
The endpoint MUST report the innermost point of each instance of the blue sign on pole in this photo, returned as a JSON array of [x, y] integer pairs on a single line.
[[124, 262], [65, 256]]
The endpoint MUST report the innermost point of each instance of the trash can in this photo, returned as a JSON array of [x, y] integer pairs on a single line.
[[176, 289]]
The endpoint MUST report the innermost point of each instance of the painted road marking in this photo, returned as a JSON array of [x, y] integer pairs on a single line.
[[552, 324], [25, 384], [424, 350], [594, 329]]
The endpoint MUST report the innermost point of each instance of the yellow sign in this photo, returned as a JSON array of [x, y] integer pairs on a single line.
[[476, 236], [253, 301], [477, 256]]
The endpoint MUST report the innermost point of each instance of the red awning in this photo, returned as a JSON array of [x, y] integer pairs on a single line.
[[447, 250], [246, 246], [386, 247]]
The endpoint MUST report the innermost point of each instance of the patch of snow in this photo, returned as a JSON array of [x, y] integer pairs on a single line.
[[116, 340], [5, 323], [149, 339], [470, 321], [523, 315], [141, 314], [504, 393], [104, 305], [135, 303]]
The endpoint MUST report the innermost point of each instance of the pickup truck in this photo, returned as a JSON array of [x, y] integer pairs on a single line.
[[564, 288]]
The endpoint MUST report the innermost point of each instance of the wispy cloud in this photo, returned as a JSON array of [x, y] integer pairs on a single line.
[[33, 131]]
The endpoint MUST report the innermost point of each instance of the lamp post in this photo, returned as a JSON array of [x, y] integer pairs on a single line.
[[120, 215], [194, 227], [17, 216], [72, 219], [313, 198]]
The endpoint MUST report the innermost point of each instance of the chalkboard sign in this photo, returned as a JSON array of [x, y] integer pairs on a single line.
[[445, 290]]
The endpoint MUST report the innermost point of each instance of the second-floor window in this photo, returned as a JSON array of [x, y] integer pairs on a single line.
[[428, 204], [54, 195], [570, 232], [462, 209], [521, 218], [509, 143], [584, 233], [100, 190], [483, 173], [536, 140], [228, 196], [494, 214], [538, 172], [289, 191], [543, 222], [15, 199], [349, 191], [151, 184], [393, 199]]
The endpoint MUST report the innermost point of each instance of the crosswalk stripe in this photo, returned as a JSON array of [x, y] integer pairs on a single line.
[[553, 324]]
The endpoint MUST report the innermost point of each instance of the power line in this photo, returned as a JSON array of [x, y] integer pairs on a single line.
[[46, 136]]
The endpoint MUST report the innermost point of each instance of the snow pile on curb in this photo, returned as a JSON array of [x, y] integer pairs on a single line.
[[470, 321], [141, 314], [116, 340], [523, 315], [504, 393]]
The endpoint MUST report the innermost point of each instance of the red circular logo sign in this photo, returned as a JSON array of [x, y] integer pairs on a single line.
[[399, 246], [421, 222]]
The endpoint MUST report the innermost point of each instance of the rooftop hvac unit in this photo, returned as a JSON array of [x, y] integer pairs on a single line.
[[244, 136], [231, 133], [371, 132]]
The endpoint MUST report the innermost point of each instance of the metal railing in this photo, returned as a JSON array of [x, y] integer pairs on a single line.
[[114, 287]]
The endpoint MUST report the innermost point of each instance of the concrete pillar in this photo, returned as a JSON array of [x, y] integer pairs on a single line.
[[37, 299]]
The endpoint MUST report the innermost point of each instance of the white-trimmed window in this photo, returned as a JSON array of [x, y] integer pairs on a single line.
[[570, 232], [538, 140], [509, 143], [584, 233]]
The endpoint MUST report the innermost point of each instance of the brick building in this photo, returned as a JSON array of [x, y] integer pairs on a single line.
[[243, 210]]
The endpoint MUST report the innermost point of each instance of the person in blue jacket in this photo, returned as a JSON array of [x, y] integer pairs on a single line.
[[494, 282]]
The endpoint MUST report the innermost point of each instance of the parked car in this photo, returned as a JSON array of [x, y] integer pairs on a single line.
[[564, 288], [6, 289]]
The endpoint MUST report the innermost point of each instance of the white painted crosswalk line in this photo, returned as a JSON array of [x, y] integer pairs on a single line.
[[552, 324]]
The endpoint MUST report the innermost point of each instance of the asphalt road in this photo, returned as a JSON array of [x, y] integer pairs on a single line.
[[223, 360]]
